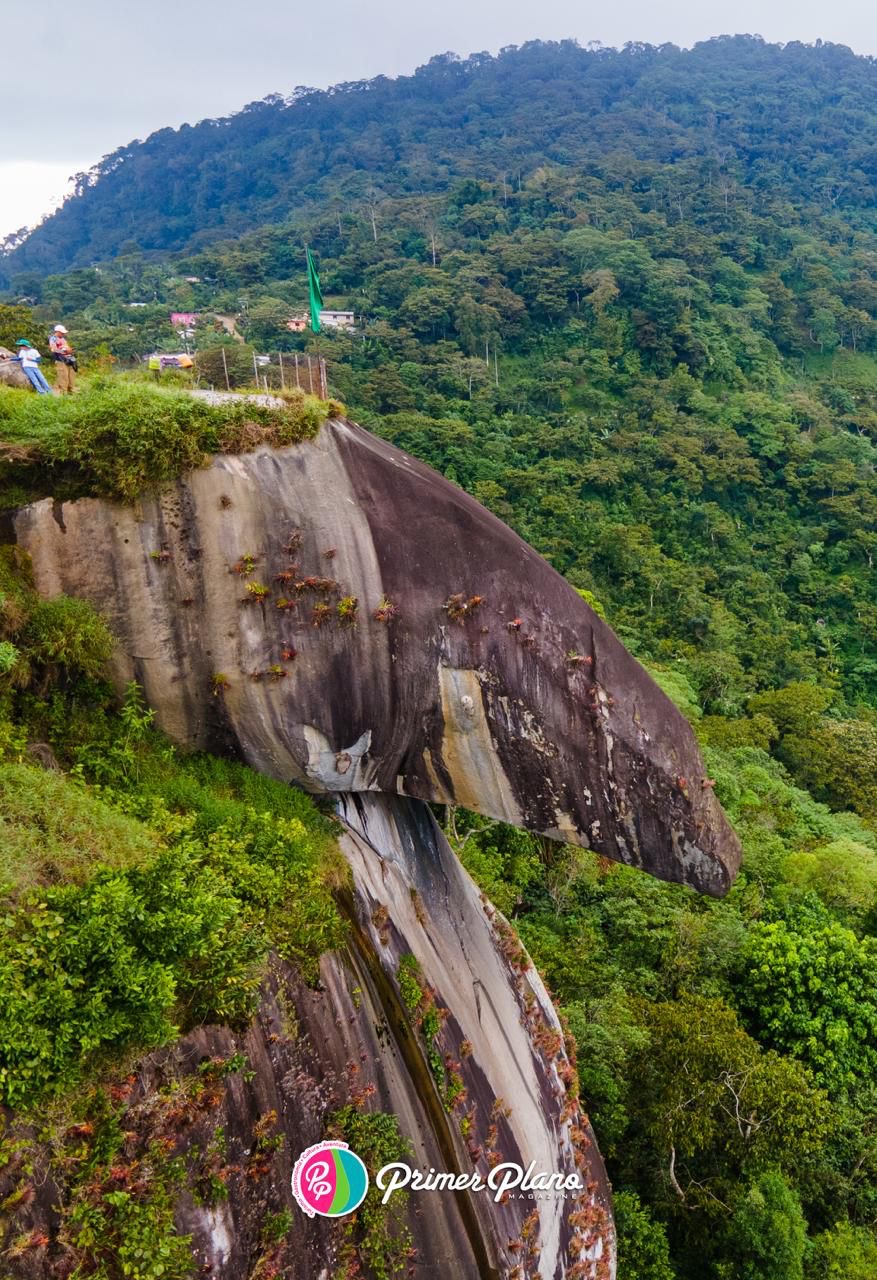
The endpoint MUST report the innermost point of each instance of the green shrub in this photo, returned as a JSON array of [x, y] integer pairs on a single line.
[[810, 989], [123, 437], [767, 1232], [643, 1252], [844, 1253], [17, 595], [51, 830], [114, 962], [68, 633], [375, 1232]]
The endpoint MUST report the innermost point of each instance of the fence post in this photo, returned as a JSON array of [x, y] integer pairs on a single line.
[[282, 378], [297, 382], [225, 367]]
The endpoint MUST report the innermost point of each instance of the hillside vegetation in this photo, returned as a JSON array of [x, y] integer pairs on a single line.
[[628, 301], [777, 120]]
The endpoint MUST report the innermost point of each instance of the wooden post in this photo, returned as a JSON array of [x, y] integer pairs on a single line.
[[225, 367], [282, 378], [297, 380], [496, 365], [324, 381], [256, 369]]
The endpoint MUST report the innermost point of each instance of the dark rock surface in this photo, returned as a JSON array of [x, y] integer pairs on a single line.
[[351, 1041], [526, 707]]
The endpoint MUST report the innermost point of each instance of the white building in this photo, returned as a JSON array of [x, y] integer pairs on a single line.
[[337, 319]]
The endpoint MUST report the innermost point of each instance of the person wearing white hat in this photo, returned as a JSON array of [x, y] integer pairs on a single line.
[[65, 361]]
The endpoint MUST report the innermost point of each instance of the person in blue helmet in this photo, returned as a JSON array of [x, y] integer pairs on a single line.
[[30, 358]]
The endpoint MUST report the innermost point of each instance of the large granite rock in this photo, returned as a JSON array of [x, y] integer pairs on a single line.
[[494, 685], [351, 1040]]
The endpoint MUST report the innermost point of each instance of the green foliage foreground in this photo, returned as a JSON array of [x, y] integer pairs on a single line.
[[117, 437], [141, 891], [726, 1050]]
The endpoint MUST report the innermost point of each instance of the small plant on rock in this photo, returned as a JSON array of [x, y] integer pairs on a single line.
[[321, 614], [578, 659], [348, 609], [459, 607], [257, 591], [220, 682], [244, 566], [322, 586], [386, 610]]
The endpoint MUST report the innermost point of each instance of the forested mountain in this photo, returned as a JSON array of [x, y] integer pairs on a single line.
[[785, 124]]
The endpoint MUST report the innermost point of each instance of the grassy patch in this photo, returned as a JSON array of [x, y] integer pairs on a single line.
[[117, 437], [52, 831], [141, 893]]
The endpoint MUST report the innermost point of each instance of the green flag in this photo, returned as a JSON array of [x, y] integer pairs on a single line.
[[316, 293]]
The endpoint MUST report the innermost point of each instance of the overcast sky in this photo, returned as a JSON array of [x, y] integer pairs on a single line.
[[94, 75]]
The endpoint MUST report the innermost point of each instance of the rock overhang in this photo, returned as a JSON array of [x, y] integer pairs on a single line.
[[492, 684]]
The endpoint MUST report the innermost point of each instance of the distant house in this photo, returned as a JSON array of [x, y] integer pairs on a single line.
[[184, 319], [337, 319], [163, 361], [328, 320], [192, 279]]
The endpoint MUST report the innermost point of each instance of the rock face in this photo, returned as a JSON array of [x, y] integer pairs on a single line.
[[11, 372], [341, 617], [493, 685], [311, 1052]]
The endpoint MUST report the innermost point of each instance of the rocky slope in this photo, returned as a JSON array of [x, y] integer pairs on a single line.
[[244, 597], [343, 618]]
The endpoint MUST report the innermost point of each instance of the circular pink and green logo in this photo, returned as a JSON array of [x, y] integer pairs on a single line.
[[330, 1180]]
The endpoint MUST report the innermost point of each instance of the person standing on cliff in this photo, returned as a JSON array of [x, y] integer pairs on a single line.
[[29, 358], [65, 361]]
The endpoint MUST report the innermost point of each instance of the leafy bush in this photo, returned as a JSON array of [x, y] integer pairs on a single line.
[[67, 633], [123, 437], [768, 1232], [86, 968], [53, 831], [643, 1252], [811, 991], [375, 1232], [844, 1253]]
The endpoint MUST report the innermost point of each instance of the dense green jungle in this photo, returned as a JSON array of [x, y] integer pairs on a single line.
[[628, 301]]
